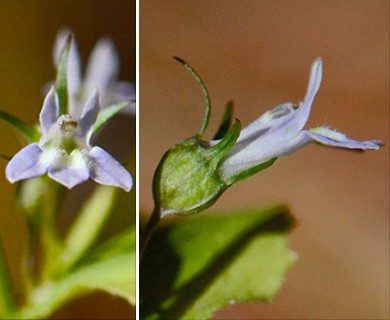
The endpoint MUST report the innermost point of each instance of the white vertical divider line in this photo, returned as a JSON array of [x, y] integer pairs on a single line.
[[137, 114]]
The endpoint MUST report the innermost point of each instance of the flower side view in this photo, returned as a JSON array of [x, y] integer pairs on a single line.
[[64, 149], [194, 173], [102, 71], [279, 132]]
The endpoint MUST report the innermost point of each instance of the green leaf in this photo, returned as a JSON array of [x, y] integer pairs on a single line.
[[62, 77], [112, 270], [123, 242], [205, 93], [5, 157], [225, 122], [108, 112], [29, 132], [192, 269], [7, 303], [87, 226]]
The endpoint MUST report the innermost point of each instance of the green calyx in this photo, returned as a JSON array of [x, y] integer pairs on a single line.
[[187, 180], [204, 91]]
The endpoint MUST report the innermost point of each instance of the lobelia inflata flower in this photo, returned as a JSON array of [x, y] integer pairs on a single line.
[[280, 132], [194, 173], [102, 71], [65, 152]]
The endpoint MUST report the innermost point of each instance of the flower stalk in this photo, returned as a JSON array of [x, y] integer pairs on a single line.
[[86, 228], [48, 229], [148, 230]]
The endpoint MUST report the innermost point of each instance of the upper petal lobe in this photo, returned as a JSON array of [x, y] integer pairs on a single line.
[[49, 113]]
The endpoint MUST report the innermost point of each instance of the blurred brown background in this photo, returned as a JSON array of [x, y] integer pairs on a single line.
[[27, 33], [259, 54]]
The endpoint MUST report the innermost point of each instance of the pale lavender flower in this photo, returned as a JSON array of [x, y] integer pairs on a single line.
[[65, 151], [102, 71], [280, 131]]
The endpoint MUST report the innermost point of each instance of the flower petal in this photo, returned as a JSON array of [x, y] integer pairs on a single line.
[[106, 170], [287, 116], [121, 91], [88, 119], [26, 164], [252, 156], [103, 66], [259, 148], [49, 113], [334, 138], [270, 136], [74, 63], [314, 82], [330, 138], [70, 170], [270, 120]]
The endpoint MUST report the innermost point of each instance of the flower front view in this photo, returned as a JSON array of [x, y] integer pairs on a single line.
[[65, 152]]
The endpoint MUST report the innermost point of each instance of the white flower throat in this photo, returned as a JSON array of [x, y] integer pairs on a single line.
[[67, 125], [65, 140]]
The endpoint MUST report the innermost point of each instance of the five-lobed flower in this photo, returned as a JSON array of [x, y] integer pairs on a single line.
[[64, 150]]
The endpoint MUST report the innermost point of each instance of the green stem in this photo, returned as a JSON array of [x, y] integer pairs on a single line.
[[50, 239], [148, 231], [29, 262], [40, 304], [48, 293], [85, 230], [7, 302]]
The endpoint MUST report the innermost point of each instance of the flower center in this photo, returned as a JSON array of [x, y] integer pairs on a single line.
[[67, 125]]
